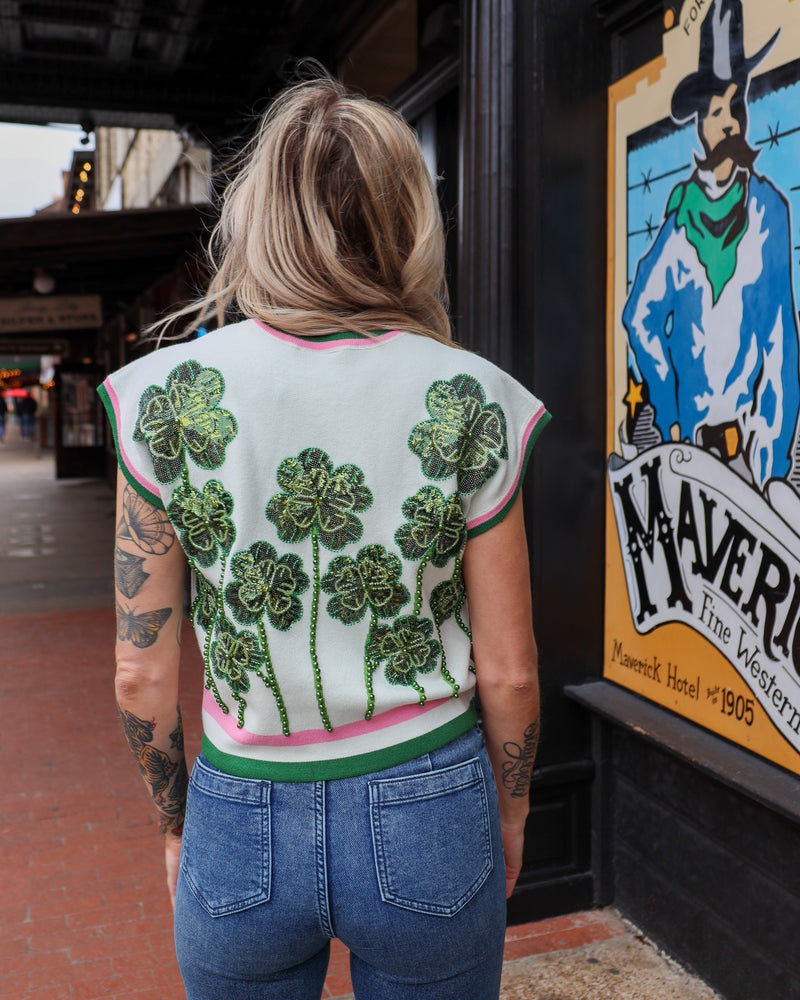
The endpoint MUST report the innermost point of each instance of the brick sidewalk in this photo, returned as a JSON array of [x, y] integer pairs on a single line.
[[84, 912]]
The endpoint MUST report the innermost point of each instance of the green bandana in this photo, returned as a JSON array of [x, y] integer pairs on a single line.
[[713, 227]]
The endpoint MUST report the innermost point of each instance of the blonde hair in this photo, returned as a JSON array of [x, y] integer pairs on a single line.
[[331, 224]]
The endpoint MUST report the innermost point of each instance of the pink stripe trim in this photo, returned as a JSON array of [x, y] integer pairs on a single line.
[[150, 487], [325, 345], [309, 737], [510, 493]]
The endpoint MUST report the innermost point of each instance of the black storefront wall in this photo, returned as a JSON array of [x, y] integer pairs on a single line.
[[531, 297]]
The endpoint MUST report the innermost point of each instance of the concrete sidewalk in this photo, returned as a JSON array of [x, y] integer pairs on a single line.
[[84, 913]]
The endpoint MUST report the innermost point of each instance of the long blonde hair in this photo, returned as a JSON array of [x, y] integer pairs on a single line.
[[331, 224]]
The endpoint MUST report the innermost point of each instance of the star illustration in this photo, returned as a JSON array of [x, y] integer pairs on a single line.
[[774, 136], [646, 180], [634, 396]]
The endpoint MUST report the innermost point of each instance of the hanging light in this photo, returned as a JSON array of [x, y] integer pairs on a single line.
[[43, 281]]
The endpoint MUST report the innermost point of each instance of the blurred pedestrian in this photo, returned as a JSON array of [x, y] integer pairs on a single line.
[[26, 408]]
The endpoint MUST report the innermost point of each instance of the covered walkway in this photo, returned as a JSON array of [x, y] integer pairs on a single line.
[[84, 913]]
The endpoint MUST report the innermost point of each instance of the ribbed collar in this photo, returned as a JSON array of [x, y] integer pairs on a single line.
[[331, 340]]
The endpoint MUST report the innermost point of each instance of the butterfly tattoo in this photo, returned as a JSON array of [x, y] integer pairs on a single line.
[[140, 629], [148, 527]]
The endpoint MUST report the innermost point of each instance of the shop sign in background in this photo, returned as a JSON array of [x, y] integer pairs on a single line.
[[703, 513]]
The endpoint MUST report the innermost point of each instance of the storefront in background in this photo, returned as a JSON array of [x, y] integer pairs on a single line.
[[696, 722]]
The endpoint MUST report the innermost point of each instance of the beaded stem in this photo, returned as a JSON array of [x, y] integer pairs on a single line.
[[445, 672], [271, 680], [240, 713], [211, 684], [421, 691], [418, 591], [370, 666], [461, 624], [323, 711]]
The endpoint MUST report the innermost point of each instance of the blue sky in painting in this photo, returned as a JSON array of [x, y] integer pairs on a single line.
[[654, 169]]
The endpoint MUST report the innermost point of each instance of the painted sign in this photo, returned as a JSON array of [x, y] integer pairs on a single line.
[[52, 312], [703, 513]]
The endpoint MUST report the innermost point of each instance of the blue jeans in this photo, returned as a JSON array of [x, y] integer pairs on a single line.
[[405, 866]]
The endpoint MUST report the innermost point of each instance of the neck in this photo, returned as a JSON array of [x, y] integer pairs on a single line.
[[724, 170]]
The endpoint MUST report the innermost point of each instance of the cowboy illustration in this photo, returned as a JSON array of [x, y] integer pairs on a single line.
[[710, 319]]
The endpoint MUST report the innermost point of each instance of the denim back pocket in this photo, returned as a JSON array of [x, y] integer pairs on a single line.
[[226, 849], [431, 838]]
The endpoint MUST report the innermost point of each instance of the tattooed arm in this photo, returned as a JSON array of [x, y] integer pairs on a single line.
[[497, 578], [149, 574]]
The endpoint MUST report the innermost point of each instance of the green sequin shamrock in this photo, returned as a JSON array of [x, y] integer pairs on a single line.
[[320, 501], [436, 529], [371, 580], [185, 418], [203, 521], [409, 648], [266, 583], [465, 435], [447, 599], [204, 607], [233, 655]]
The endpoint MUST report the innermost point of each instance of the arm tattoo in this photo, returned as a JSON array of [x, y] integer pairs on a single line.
[[166, 777], [140, 629], [518, 769], [148, 527], [128, 573]]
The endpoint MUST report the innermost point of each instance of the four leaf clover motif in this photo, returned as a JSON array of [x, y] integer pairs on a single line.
[[185, 418], [409, 648], [265, 582], [233, 654], [203, 521], [316, 497], [447, 599], [371, 580], [465, 435], [436, 527]]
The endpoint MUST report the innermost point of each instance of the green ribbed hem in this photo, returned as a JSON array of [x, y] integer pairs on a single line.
[[152, 498], [479, 529], [341, 767]]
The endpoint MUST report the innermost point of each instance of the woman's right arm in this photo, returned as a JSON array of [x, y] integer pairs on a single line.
[[497, 578]]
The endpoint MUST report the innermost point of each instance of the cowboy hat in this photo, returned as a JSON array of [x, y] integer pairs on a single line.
[[722, 60]]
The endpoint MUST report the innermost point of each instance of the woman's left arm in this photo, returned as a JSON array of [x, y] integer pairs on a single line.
[[149, 573]]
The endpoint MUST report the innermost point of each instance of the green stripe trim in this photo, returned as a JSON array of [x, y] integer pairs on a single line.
[[345, 335], [341, 767], [479, 529], [152, 498]]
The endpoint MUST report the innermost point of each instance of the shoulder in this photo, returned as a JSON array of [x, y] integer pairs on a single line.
[[453, 381], [214, 350], [443, 361], [764, 191]]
